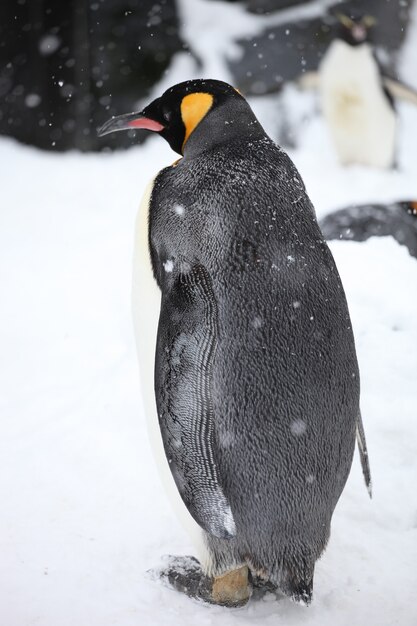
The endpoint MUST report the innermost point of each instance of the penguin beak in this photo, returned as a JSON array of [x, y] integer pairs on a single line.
[[129, 121], [359, 32]]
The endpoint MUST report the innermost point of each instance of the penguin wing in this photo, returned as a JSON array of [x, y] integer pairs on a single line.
[[400, 90], [187, 336], [363, 454]]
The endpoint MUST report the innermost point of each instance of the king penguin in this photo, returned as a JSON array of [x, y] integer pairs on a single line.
[[246, 349]]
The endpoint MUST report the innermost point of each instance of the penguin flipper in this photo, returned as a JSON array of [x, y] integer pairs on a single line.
[[400, 90], [186, 343], [363, 454]]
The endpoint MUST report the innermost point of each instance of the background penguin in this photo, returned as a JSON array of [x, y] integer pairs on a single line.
[[360, 222], [357, 109], [356, 99], [256, 377]]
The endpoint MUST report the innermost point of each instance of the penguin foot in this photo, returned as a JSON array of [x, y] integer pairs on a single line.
[[261, 586], [184, 574], [232, 589], [300, 592]]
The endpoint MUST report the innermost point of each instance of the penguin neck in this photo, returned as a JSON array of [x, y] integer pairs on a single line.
[[222, 126], [346, 53], [352, 42]]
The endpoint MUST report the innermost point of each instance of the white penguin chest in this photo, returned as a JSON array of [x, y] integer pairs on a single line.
[[359, 116]]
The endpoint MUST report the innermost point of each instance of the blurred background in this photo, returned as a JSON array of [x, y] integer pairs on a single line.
[[66, 67]]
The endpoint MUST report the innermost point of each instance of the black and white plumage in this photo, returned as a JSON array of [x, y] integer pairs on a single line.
[[256, 377], [357, 109], [357, 100], [359, 115], [185, 354]]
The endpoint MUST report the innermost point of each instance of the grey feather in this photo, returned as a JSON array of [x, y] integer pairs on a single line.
[[184, 357]]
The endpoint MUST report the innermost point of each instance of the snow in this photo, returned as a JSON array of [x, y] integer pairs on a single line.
[[257, 322], [33, 100], [298, 427], [212, 29], [84, 515], [168, 266], [179, 209], [48, 44]]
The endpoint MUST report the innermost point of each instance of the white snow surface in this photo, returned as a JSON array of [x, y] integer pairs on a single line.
[[83, 513]]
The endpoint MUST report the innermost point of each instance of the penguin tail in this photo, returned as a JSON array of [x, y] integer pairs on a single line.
[[300, 590], [363, 454]]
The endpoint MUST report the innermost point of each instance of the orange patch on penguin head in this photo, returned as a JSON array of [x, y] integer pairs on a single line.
[[194, 107]]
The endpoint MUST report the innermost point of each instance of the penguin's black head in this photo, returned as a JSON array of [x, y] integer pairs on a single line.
[[192, 116], [354, 28]]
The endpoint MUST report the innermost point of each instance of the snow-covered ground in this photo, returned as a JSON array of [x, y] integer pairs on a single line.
[[83, 514]]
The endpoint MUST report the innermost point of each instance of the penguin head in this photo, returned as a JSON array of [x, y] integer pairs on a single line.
[[354, 28], [192, 116]]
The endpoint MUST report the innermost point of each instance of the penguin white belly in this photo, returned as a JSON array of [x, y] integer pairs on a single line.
[[146, 303], [360, 117]]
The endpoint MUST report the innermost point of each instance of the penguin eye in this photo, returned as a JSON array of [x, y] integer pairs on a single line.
[[368, 21], [167, 115]]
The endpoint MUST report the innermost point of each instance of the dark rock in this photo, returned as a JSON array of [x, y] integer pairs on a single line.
[[69, 66], [284, 52], [359, 223]]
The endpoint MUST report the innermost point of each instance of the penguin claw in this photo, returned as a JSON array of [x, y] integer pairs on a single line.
[[261, 587], [184, 574]]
